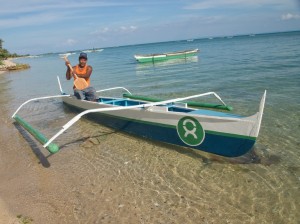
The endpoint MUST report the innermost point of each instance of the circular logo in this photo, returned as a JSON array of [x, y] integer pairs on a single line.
[[190, 131]]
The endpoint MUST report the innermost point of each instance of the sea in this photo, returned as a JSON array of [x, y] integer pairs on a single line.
[[105, 176]]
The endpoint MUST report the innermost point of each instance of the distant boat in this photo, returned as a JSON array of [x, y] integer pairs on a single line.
[[32, 56], [190, 40], [165, 56], [92, 50]]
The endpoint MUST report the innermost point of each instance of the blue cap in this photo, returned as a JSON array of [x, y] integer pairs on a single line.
[[83, 55]]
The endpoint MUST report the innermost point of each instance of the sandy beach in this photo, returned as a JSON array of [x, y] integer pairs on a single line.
[[5, 215]]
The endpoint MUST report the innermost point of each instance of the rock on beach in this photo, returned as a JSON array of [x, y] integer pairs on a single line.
[[8, 65]]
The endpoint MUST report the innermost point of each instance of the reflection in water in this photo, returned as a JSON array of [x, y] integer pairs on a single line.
[[144, 68]]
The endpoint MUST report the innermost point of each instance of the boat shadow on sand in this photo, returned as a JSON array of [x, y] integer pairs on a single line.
[[259, 154], [36, 148]]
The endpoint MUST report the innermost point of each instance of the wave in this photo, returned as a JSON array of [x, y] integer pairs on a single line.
[[66, 54]]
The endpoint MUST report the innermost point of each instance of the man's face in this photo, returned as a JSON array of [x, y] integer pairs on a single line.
[[82, 62]]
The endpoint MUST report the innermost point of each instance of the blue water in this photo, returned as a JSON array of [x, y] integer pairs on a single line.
[[239, 69]]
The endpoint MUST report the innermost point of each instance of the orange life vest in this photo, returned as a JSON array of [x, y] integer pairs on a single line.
[[82, 71]]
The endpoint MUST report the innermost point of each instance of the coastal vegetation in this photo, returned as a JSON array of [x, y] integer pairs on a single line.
[[5, 65], [4, 54]]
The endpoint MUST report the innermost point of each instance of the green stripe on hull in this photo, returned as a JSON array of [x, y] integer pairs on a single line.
[[230, 135]]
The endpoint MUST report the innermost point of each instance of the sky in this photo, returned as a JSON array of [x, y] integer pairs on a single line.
[[44, 26]]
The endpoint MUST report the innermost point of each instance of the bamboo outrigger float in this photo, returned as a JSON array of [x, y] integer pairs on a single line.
[[170, 121]]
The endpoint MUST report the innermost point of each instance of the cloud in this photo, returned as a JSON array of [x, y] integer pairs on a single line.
[[25, 20], [211, 4], [186, 18], [289, 16], [70, 42], [30, 6], [100, 31], [128, 29], [117, 30]]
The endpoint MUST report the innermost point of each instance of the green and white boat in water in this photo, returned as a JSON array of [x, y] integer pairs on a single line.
[[174, 121], [165, 56]]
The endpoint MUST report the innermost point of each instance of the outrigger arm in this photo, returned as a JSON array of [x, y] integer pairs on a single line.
[[103, 90]]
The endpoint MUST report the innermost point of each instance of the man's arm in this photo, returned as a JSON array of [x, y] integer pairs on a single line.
[[68, 72], [88, 72]]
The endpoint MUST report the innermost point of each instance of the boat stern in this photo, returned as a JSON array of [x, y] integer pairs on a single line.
[[260, 114]]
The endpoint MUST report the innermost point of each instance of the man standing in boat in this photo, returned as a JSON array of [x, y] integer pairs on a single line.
[[82, 70]]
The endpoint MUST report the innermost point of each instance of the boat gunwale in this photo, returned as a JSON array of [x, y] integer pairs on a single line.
[[175, 53], [251, 118], [166, 125]]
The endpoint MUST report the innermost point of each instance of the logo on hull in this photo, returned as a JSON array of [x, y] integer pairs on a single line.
[[190, 131]]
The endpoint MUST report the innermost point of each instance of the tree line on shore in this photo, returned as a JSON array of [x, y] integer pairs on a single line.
[[5, 54]]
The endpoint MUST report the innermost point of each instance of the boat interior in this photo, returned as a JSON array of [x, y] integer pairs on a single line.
[[170, 107]]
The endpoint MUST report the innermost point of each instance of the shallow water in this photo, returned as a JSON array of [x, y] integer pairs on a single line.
[[103, 176]]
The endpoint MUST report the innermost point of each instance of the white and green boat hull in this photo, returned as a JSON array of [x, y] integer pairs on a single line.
[[214, 132], [166, 56]]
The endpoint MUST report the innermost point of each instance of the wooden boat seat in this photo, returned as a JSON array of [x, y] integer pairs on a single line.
[[158, 108]]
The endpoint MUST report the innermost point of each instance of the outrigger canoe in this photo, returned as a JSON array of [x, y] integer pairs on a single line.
[[169, 121], [165, 56]]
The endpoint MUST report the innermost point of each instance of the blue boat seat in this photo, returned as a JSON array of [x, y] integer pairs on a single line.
[[215, 113], [120, 102], [113, 102]]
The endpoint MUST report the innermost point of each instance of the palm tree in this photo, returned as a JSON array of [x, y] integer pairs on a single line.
[[1, 41]]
